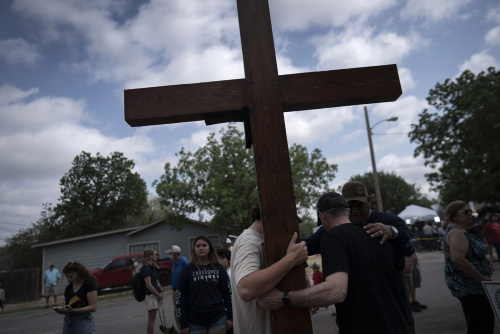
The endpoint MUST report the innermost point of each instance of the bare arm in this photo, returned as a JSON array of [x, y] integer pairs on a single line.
[[332, 291], [260, 282], [458, 249], [151, 289], [409, 263]]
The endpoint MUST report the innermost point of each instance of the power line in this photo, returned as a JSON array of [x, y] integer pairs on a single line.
[[8, 229], [24, 225], [380, 134]]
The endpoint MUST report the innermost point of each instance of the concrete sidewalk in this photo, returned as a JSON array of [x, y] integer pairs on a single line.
[[40, 303]]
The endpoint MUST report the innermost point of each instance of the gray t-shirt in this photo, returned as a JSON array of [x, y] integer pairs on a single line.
[[248, 256]]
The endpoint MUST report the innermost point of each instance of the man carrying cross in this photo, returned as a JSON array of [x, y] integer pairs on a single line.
[[259, 100], [251, 279]]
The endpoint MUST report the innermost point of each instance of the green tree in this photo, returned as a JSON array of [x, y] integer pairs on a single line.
[[18, 247], [97, 194], [219, 180], [396, 193], [307, 226], [461, 139]]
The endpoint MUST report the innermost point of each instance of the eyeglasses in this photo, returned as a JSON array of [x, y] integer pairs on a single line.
[[467, 212], [155, 254]]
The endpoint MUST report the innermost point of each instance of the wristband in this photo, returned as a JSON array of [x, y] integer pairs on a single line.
[[285, 300], [395, 231]]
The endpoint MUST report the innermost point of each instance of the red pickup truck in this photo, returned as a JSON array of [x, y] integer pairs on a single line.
[[118, 272]]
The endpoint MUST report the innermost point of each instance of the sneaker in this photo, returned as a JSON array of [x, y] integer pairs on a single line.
[[423, 307], [415, 308]]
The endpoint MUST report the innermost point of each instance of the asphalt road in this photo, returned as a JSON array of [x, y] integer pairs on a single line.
[[444, 313], [125, 315]]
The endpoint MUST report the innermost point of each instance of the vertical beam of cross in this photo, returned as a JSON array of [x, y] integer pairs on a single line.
[[272, 161]]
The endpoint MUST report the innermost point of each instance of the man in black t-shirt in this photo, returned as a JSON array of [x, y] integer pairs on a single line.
[[380, 225], [360, 276]]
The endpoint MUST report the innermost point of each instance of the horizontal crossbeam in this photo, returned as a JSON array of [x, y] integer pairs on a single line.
[[313, 90]]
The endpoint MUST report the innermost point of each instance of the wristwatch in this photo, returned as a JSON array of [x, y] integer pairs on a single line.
[[395, 230], [285, 300]]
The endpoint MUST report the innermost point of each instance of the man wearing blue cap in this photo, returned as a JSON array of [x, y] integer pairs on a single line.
[[50, 281]]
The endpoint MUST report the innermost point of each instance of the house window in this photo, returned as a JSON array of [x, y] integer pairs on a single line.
[[214, 239], [139, 248]]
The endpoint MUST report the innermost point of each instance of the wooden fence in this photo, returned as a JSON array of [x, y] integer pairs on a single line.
[[21, 285]]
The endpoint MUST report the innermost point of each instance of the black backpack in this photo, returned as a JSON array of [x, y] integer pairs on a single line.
[[138, 287]]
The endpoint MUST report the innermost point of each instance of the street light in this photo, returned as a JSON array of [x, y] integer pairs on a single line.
[[374, 167]]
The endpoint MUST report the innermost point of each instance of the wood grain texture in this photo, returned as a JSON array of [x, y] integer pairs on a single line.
[[183, 103], [337, 88], [302, 91], [272, 161]]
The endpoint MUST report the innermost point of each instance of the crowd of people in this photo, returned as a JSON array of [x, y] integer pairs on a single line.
[[231, 289]]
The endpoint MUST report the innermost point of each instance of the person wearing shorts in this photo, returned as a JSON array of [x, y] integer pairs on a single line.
[[50, 281], [154, 293], [413, 280]]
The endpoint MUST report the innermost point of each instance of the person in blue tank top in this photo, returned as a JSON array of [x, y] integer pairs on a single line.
[[466, 267]]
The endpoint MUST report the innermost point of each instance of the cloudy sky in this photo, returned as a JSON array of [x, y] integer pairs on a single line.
[[65, 63]]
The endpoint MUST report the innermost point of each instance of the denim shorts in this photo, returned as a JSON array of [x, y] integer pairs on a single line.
[[197, 329], [78, 323]]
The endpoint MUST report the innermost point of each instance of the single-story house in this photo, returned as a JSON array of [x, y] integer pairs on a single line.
[[96, 250]]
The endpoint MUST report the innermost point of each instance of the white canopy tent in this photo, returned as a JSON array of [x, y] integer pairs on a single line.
[[413, 213]]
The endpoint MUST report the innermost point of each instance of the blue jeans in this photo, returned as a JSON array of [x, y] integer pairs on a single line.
[[78, 323], [218, 324]]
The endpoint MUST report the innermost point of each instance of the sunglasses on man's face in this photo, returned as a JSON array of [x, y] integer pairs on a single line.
[[467, 212]]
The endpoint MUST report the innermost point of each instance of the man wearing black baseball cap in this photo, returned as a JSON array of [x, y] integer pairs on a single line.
[[385, 226], [379, 224], [360, 275]]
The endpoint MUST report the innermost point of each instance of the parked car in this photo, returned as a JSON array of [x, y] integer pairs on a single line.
[[118, 272]]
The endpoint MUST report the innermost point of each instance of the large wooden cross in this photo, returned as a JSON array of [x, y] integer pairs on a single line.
[[260, 100]]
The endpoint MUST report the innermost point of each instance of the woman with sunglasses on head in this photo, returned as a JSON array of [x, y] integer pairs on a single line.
[[80, 299], [465, 267], [204, 293], [154, 293]]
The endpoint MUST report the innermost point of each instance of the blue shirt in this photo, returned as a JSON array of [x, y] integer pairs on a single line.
[[176, 270], [51, 277]]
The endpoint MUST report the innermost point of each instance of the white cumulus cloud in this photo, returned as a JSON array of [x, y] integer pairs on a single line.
[[433, 10], [478, 62], [361, 47], [19, 51]]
